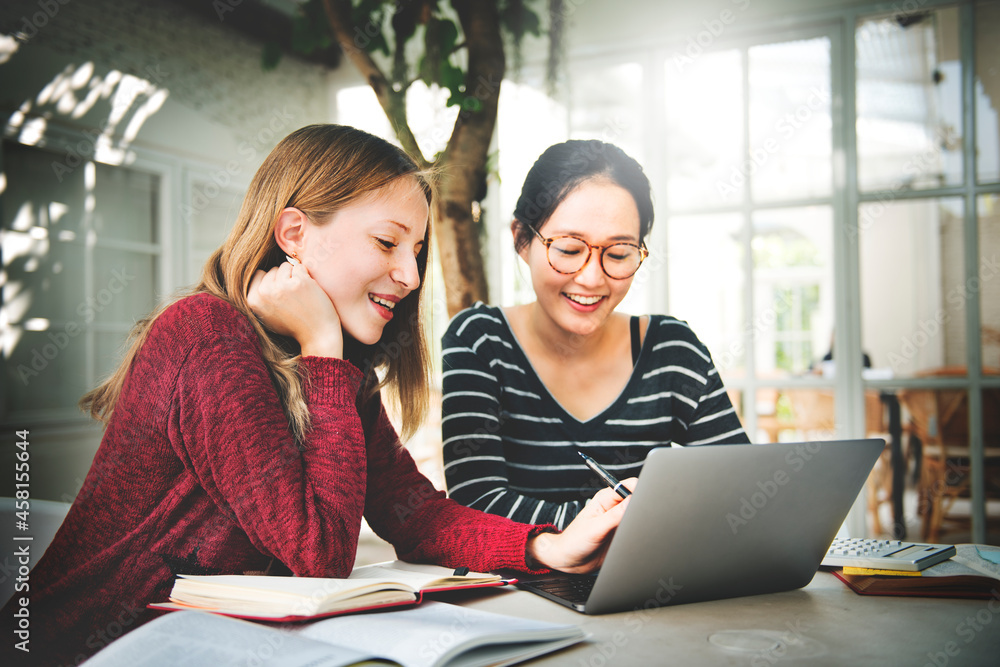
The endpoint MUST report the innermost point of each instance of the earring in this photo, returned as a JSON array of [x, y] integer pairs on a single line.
[[294, 259]]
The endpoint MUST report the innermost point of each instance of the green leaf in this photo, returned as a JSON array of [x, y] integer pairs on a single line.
[[378, 43], [270, 56], [404, 21], [519, 19], [451, 77], [447, 35], [467, 102], [531, 23]]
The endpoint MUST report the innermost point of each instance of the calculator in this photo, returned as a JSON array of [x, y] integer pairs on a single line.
[[885, 554]]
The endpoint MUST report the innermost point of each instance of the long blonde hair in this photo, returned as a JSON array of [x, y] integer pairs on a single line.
[[317, 169]]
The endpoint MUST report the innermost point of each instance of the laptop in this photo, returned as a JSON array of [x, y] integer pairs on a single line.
[[721, 521]]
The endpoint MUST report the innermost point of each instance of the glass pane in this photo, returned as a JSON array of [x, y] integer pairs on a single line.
[[45, 369], [793, 288], [913, 290], [43, 278], [712, 303], [987, 92], [606, 104], [209, 223], [36, 196], [791, 140], [109, 348], [795, 414], [989, 285], [529, 121], [909, 112], [127, 203], [736, 398], [704, 130], [124, 286], [939, 418]]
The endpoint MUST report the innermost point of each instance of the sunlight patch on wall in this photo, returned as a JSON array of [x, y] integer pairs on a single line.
[[8, 47], [78, 91]]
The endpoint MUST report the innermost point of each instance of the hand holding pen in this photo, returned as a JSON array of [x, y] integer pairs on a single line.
[[581, 546], [608, 478]]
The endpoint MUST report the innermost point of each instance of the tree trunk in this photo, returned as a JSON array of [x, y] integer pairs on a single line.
[[463, 163]]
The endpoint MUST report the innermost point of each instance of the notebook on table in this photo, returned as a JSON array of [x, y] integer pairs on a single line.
[[721, 521]]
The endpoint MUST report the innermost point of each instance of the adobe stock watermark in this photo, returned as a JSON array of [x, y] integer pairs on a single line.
[[223, 7], [764, 321], [88, 310], [768, 489], [276, 126], [31, 24], [606, 653], [266, 649], [551, 190], [819, 99], [930, 328], [713, 29], [968, 629], [785, 644], [127, 89], [923, 163], [433, 648], [115, 628]]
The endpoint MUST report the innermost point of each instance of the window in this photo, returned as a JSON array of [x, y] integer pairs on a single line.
[[795, 192], [81, 257]]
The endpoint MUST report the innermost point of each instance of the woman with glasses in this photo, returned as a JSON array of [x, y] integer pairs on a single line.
[[528, 387]]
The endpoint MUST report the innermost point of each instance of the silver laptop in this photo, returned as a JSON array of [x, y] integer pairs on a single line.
[[721, 521]]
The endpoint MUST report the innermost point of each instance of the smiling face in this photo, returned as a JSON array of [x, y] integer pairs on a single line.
[[601, 213], [365, 257]]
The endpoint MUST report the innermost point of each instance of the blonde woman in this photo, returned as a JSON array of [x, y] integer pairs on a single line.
[[244, 428]]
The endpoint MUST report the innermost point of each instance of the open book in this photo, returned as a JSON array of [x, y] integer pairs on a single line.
[[388, 584], [434, 634], [967, 574]]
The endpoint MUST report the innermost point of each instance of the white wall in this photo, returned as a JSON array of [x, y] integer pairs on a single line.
[[598, 25]]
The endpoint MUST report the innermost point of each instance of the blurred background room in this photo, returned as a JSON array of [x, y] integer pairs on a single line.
[[826, 175]]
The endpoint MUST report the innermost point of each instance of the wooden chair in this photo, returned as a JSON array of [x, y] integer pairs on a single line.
[[940, 419], [813, 416]]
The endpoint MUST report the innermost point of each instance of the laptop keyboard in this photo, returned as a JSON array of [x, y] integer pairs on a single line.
[[575, 589]]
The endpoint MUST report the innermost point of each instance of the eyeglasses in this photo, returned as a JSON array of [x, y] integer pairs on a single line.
[[569, 254]]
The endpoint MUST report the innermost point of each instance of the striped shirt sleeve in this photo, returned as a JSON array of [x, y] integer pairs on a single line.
[[475, 464]]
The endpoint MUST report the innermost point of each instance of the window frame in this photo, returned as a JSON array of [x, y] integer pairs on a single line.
[[839, 25]]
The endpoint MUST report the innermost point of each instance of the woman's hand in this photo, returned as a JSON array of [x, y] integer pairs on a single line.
[[582, 546], [289, 302]]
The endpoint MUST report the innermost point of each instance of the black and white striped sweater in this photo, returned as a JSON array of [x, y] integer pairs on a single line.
[[510, 447]]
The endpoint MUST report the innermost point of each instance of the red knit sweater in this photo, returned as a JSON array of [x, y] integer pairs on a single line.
[[197, 473]]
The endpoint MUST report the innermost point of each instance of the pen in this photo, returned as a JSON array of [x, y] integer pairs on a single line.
[[605, 475]]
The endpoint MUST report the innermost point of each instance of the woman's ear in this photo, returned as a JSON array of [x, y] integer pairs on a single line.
[[515, 229], [289, 231]]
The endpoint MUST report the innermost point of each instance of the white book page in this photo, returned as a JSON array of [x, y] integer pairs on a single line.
[[967, 560], [418, 575], [432, 633], [284, 596], [311, 587], [198, 639]]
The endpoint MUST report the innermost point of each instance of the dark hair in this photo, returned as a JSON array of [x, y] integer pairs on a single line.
[[563, 167]]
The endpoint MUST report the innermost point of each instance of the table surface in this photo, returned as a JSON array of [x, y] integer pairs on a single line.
[[824, 623]]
